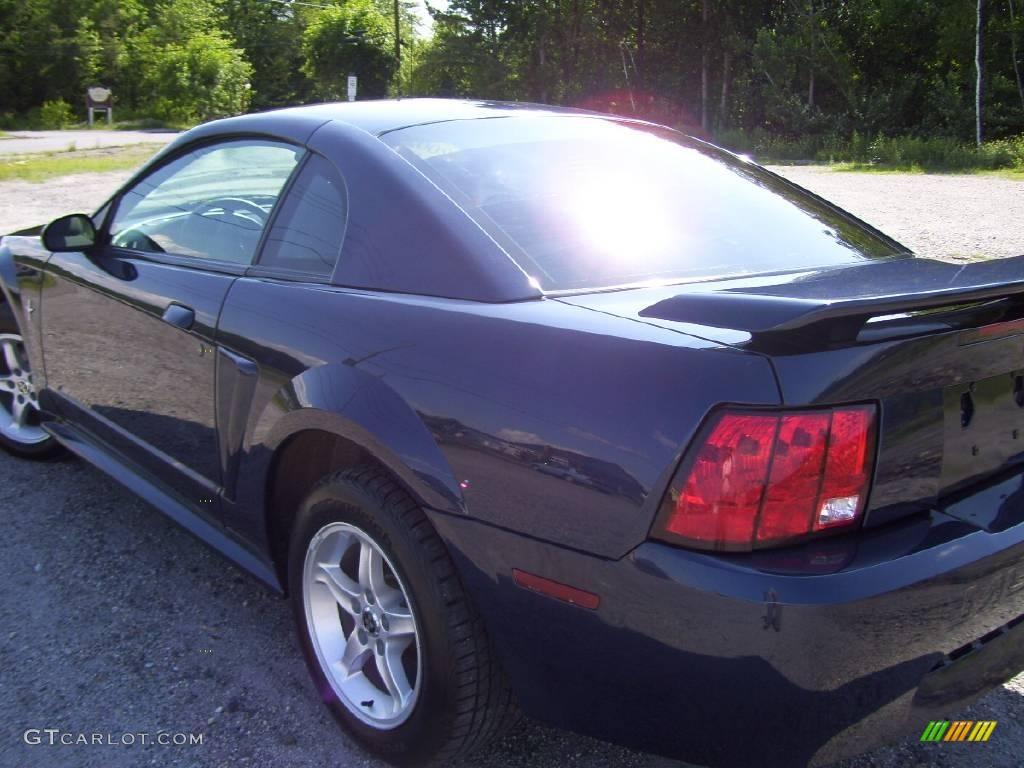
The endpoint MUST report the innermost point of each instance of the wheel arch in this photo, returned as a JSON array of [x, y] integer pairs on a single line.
[[8, 277], [298, 464], [311, 440], [22, 280]]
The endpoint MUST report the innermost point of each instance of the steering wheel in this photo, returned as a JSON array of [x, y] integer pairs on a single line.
[[236, 206], [136, 240]]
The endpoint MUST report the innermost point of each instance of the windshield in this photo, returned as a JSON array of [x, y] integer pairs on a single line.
[[585, 202]]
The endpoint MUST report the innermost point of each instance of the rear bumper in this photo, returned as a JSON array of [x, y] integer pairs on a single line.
[[721, 661]]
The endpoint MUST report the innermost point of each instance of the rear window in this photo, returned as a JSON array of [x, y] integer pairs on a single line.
[[585, 202]]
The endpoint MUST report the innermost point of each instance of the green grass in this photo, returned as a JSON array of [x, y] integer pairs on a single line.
[[1014, 174], [48, 165], [140, 124], [872, 168], [145, 124], [884, 154]]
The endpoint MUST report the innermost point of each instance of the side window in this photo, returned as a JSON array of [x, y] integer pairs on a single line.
[[100, 216], [307, 233], [211, 203]]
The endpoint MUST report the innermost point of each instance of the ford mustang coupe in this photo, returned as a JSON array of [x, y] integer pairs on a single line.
[[548, 411]]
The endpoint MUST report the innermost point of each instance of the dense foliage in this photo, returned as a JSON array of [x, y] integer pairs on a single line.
[[184, 61], [366, 48], [784, 67], [757, 71]]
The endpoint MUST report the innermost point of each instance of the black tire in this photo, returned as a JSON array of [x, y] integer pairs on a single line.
[[463, 700], [45, 450]]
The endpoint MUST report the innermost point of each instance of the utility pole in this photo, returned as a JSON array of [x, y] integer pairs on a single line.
[[979, 60], [398, 52]]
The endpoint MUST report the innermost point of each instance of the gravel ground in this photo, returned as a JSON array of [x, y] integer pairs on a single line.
[[936, 215], [27, 203], [112, 619]]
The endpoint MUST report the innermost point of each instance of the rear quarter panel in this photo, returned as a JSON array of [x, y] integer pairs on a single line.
[[545, 419]]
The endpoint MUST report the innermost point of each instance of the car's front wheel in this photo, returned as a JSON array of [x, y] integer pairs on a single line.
[[20, 430], [392, 641]]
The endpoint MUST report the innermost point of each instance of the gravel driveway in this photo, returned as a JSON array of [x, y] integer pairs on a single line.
[[113, 619], [941, 216]]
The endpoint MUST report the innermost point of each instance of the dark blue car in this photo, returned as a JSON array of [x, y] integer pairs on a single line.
[[549, 411]]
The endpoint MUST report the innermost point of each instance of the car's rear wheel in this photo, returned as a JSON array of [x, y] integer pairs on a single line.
[[21, 432], [396, 649]]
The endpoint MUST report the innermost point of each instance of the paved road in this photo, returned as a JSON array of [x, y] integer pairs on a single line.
[[24, 142]]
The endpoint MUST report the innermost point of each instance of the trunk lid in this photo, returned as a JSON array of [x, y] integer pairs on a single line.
[[940, 348]]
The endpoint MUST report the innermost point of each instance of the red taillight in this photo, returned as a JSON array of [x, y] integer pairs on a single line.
[[847, 468], [761, 478]]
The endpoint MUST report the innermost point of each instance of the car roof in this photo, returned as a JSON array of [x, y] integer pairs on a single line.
[[381, 116], [482, 270]]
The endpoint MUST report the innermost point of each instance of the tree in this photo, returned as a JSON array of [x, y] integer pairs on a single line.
[[270, 33], [1013, 52], [355, 38], [186, 67], [477, 50], [811, 70], [198, 80]]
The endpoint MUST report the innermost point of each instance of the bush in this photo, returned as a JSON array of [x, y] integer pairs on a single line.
[[54, 115], [772, 148], [201, 79], [941, 154], [1009, 153], [929, 154]]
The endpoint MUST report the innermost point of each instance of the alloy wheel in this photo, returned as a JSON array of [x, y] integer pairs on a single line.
[[361, 625], [19, 404]]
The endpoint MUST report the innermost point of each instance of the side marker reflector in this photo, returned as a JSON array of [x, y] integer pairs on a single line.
[[555, 589]]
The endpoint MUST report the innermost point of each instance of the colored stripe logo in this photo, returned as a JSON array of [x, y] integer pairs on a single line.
[[958, 730]]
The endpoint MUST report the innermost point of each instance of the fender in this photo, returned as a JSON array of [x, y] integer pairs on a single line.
[[340, 399], [372, 415], [22, 258], [9, 276], [8, 296]]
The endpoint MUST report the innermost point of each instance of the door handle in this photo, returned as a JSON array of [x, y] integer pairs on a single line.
[[179, 316]]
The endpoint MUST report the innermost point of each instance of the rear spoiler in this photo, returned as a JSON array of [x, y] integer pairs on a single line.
[[837, 303]]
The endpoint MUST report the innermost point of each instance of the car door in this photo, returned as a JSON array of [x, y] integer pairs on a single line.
[[128, 326], [265, 314]]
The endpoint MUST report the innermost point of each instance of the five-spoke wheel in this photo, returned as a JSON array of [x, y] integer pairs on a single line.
[[20, 430], [362, 627], [393, 643], [18, 404]]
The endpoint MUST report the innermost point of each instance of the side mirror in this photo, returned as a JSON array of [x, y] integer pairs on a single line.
[[75, 232]]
